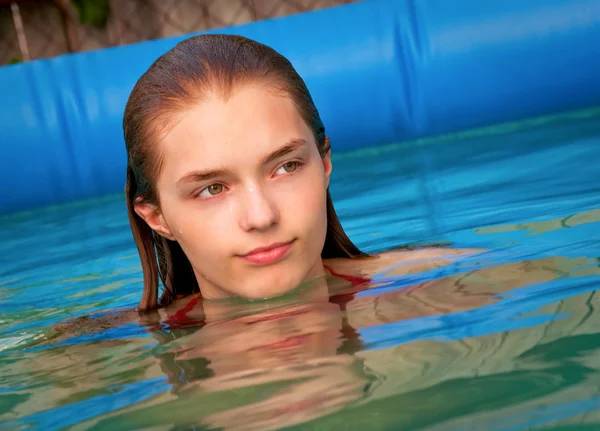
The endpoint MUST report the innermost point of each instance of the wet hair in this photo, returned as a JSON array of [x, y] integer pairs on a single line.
[[195, 68]]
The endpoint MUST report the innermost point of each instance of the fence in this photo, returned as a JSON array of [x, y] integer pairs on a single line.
[[33, 29]]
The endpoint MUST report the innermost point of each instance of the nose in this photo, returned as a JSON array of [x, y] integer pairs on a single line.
[[258, 212]]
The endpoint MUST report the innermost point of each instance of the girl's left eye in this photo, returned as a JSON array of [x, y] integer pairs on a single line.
[[287, 168], [212, 190]]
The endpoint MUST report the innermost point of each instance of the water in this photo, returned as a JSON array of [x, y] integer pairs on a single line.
[[507, 339]]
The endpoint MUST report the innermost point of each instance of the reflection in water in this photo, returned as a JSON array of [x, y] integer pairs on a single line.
[[272, 368], [537, 228], [306, 361], [288, 357]]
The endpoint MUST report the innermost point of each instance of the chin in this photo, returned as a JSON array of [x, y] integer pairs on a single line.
[[270, 287]]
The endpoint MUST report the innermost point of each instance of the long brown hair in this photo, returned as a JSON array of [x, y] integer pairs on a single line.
[[198, 66]]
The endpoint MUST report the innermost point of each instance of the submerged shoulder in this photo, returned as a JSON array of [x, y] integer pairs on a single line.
[[398, 262]]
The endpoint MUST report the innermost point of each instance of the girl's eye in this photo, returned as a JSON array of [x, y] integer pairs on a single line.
[[288, 167], [212, 190]]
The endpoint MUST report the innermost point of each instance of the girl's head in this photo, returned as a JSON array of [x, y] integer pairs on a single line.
[[228, 173]]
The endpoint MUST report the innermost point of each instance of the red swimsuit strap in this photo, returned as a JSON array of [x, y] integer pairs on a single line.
[[352, 279], [180, 316]]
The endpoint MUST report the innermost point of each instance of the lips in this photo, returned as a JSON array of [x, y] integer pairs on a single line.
[[286, 343], [269, 254]]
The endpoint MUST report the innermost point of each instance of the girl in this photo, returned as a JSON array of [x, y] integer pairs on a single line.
[[228, 175]]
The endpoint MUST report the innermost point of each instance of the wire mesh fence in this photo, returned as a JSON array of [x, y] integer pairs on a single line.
[[33, 29]]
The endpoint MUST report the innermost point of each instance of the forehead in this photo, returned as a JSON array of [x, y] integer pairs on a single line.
[[253, 122]]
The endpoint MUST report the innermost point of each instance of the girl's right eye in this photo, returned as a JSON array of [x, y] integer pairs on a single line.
[[211, 190]]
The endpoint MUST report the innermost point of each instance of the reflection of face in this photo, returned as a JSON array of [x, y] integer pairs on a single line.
[[292, 350], [243, 174], [321, 388], [268, 339]]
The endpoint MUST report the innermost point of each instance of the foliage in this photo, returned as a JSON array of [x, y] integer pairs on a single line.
[[93, 12]]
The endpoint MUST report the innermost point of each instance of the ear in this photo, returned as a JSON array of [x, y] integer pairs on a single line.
[[328, 167], [152, 215]]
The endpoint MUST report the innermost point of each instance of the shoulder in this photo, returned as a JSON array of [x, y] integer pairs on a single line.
[[398, 262]]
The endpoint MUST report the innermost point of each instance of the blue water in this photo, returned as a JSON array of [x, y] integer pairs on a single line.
[[506, 339]]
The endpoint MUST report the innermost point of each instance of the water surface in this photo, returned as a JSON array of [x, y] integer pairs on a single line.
[[506, 339]]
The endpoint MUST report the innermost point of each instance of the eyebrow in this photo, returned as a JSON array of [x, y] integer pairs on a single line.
[[198, 176], [291, 146]]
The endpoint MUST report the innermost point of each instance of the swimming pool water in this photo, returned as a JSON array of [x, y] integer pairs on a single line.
[[507, 339]]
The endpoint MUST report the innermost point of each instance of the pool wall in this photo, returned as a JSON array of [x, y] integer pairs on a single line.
[[380, 71]]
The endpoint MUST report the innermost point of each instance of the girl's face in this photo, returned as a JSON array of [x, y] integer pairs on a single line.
[[242, 189]]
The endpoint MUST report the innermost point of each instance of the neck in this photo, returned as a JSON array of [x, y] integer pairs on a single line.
[[311, 291]]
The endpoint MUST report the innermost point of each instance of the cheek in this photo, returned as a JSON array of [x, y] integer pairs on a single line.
[[305, 204], [201, 233]]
